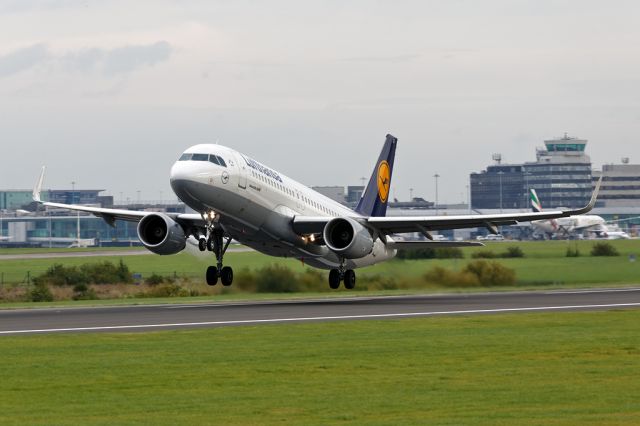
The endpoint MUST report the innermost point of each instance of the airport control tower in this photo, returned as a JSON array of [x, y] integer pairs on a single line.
[[562, 173]]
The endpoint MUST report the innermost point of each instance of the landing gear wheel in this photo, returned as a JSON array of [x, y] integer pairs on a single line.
[[349, 279], [202, 244], [212, 275], [334, 279], [210, 245], [226, 276]]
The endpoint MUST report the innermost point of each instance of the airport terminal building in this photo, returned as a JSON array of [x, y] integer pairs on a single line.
[[561, 175], [621, 185]]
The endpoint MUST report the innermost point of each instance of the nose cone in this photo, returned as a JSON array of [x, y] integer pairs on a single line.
[[179, 171], [185, 184]]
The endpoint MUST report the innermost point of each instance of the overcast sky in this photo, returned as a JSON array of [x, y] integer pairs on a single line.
[[109, 93]]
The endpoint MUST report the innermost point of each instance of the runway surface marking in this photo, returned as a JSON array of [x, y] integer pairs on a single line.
[[602, 290], [321, 318]]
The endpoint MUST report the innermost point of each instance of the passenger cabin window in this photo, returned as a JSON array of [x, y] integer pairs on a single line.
[[185, 157], [200, 157]]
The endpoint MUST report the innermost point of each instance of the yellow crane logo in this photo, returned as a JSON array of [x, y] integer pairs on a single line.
[[384, 180]]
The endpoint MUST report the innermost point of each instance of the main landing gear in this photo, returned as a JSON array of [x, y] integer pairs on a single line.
[[340, 274], [218, 243]]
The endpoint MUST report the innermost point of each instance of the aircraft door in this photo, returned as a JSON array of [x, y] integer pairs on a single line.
[[242, 171]]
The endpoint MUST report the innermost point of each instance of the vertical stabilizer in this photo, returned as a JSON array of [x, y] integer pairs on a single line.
[[535, 202], [376, 194]]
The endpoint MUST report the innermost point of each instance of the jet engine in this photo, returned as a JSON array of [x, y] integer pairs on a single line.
[[161, 234], [347, 238]]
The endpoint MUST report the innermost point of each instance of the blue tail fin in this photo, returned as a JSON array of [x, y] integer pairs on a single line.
[[376, 194]]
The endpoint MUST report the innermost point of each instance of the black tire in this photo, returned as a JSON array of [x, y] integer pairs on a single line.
[[202, 244], [349, 279], [210, 244], [334, 279], [212, 275], [226, 276]]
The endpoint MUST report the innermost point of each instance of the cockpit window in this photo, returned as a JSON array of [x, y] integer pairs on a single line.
[[203, 157]]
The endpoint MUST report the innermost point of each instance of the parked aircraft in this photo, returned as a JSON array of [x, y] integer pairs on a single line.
[[567, 226], [237, 197]]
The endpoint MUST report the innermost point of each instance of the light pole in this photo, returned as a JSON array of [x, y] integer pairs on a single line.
[[50, 232], [410, 194], [436, 176], [500, 173], [550, 186], [526, 189], [469, 198], [73, 192]]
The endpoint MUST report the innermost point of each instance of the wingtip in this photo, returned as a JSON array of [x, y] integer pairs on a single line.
[[592, 202], [594, 195], [38, 188]]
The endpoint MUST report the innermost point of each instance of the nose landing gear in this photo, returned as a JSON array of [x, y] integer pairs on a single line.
[[217, 242]]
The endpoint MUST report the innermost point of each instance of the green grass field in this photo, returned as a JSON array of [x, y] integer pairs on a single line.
[[526, 369], [545, 263], [65, 250]]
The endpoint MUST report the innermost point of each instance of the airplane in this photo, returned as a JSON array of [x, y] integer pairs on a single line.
[[239, 198], [615, 235], [564, 226]]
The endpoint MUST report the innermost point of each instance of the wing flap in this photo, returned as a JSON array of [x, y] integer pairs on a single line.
[[415, 245]]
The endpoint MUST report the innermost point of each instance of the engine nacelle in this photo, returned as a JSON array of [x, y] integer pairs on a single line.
[[161, 234], [346, 237]]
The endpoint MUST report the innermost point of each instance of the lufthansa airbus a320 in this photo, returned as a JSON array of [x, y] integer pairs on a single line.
[[237, 197]]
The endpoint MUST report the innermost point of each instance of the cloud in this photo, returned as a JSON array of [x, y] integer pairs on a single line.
[[118, 61], [126, 59], [388, 58], [85, 60], [23, 59]]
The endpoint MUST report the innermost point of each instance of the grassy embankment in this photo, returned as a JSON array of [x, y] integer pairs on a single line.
[[544, 263], [560, 368]]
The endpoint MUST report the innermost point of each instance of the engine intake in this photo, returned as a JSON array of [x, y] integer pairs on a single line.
[[161, 234], [346, 237]]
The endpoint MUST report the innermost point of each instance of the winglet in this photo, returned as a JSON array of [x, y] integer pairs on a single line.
[[592, 203], [38, 187]]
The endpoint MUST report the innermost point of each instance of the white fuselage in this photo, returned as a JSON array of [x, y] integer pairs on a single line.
[[256, 204], [568, 225]]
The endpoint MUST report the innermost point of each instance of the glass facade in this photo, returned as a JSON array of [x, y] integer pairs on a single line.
[[561, 177]]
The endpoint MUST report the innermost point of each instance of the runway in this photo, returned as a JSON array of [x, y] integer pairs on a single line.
[[182, 316]]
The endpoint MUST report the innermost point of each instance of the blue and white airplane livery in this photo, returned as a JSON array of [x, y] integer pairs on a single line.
[[237, 197]]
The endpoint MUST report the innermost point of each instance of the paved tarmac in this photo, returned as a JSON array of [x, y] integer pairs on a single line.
[[181, 316]]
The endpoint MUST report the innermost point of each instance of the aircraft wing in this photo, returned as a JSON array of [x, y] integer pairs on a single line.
[[431, 244], [111, 215], [403, 224]]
